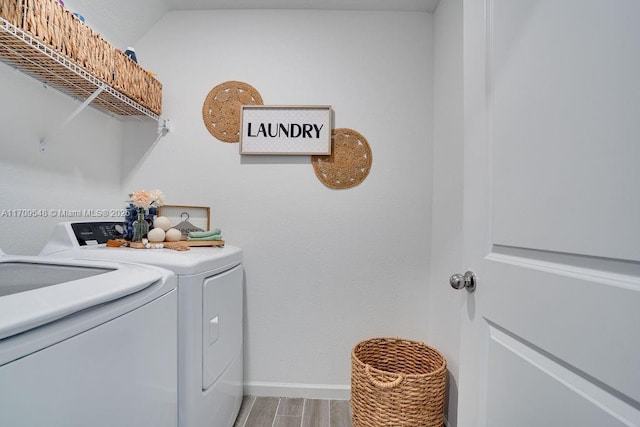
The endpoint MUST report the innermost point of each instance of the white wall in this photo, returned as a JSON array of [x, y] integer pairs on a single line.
[[80, 169], [324, 268], [446, 251]]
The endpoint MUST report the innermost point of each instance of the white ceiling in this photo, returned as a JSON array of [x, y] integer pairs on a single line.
[[123, 22]]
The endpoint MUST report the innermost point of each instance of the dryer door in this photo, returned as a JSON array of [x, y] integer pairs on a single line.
[[222, 323]]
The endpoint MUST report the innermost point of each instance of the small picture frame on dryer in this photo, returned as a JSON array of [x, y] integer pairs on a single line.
[[185, 216]]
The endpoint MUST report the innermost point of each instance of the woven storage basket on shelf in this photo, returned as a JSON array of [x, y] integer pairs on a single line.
[[132, 80], [11, 10], [397, 382], [53, 25]]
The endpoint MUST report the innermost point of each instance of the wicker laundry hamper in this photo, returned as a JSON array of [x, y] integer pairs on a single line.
[[397, 382]]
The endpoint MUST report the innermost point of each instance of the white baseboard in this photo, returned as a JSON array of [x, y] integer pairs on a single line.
[[307, 391]]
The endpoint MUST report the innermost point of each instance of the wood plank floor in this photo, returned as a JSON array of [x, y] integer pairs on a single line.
[[293, 412]]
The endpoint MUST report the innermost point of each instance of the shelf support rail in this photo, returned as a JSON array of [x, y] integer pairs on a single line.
[[94, 95]]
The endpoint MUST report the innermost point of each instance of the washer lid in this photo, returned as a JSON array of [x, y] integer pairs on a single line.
[[35, 291]]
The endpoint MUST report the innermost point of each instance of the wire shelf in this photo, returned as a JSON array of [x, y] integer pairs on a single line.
[[21, 50]]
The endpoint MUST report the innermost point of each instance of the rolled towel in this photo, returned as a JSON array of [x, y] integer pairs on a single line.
[[209, 233], [212, 237]]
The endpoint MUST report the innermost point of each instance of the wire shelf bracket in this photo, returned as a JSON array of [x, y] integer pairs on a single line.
[[43, 141]]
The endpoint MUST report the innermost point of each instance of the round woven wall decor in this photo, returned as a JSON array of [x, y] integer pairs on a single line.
[[349, 162], [221, 109]]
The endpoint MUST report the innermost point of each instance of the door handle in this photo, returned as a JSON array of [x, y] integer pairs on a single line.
[[467, 281]]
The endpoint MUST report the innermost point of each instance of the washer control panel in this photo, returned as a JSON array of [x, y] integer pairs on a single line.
[[95, 233]]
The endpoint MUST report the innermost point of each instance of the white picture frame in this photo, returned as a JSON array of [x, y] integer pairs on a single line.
[[285, 130], [199, 216]]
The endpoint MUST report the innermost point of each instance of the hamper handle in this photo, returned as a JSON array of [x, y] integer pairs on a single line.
[[382, 384]]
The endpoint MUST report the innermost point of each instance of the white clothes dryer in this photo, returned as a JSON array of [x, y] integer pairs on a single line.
[[86, 343], [210, 315]]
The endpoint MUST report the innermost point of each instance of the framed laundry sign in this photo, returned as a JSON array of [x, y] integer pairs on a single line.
[[287, 130]]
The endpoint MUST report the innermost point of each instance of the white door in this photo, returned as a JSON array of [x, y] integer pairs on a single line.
[[551, 335]]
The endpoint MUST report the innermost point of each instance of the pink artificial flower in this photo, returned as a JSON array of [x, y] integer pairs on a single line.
[[141, 199]]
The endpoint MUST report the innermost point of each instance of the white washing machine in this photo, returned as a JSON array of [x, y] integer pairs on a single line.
[[86, 343], [210, 307]]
